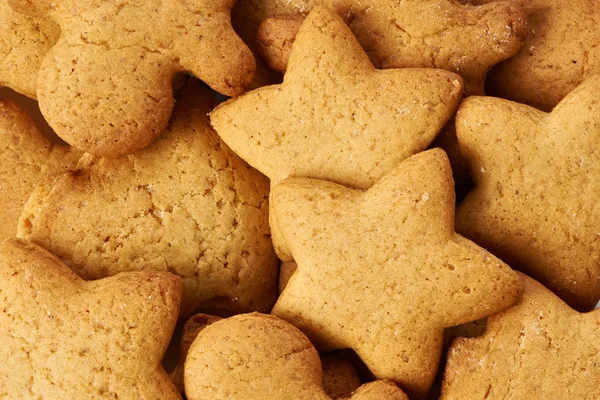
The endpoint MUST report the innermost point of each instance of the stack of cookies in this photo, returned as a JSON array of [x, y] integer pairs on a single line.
[[358, 220]]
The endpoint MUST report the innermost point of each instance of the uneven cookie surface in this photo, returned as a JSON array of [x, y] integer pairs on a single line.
[[348, 123], [560, 52], [105, 87], [464, 39], [186, 205], [23, 43], [63, 338], [27, 157], [538, 349], [257, 356], [390, 255], [535, 201]]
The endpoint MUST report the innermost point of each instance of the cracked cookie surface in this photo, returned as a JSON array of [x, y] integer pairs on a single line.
[[186, 204]]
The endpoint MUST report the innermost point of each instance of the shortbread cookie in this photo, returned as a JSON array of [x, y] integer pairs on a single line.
[[23, 43], [535, 204], [257, 356], [560, 52], [348, 122], [186, 204], [464, 39], [105, 87], [387, 255], [64, 338], [537, 349], [27, 157], [340, 378]]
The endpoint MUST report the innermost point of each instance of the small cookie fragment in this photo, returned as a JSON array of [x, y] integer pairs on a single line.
[[385, 255], [535, 202], [24, 41], [27, 157], [349, 123], [64, 338], [258, 356], [186, 204], [106, 86], [464, 39], [538, 349]]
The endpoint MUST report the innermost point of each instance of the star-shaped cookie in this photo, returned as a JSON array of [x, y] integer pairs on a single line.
[[562, 49], [27, 157], [464, 39], [538, 349], [382, 271], [23, 43], [335, 117], [186, 204], [535, 204], [64, 338], [106, 86]]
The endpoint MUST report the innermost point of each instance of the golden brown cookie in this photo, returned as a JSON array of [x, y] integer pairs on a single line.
[[560, 52], [64, 338], [105, 87], [464, 39], [348, 122], [258, 356], [187, 205], [23, 43], [538, 349], [387, 256], [535, 201], [27, 157]]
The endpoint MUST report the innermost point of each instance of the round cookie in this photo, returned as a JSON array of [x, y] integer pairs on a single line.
[[27, 157], [187, 205]]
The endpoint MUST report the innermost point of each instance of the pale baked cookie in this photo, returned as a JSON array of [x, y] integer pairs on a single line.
[[27, 156], [187, 205], [535, 204], [105, 87], [382, 271], [562, 49], [336, 117], [464, 39], [257, 356], [23, 43], [64, 338], [538, 349], [340, 378]]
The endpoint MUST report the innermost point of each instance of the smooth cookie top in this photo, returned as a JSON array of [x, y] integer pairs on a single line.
[[64, 338]]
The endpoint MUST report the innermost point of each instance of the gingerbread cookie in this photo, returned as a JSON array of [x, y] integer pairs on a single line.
[[535, 201], [560, 52], [23, 43], [537, 349], [443, 34], [385, 254], [348, 123], [27, 157], [105, 87], [187, 205], [257, 356], [64, 338]]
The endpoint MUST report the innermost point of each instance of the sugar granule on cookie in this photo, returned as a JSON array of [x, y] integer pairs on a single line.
[[464, 39], [257, 356], [106, 86], [538, 349], [24, 41], [186, 204], [336, 117], [535, 203], [64, 338], [27, 157], [390, 256]]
